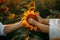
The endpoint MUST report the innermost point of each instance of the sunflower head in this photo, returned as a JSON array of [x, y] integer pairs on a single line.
[[27, 15]]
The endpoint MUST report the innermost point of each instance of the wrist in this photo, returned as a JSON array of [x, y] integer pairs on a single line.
[[46, 21], [42, 21]]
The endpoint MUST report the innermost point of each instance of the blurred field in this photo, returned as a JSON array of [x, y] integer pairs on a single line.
[[12, 11]]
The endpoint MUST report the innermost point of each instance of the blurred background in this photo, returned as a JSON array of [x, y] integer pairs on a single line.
[[12, 11]]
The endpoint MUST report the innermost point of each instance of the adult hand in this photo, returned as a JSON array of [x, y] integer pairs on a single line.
[[44, 28], [39, 18]]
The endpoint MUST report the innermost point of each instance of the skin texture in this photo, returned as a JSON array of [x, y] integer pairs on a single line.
[[42, 24], [42, 27], [12, 27], [43, 21]]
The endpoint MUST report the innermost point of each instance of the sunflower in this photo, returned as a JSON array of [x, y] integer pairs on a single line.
[[27, 15]]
